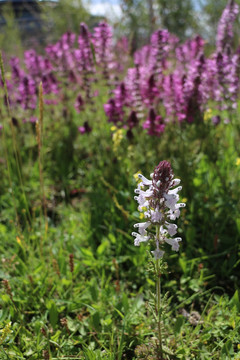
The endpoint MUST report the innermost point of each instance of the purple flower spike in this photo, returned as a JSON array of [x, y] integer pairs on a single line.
[[79, 104], [216, 120], [85, 128], [160, 48], [225, 26], [103, 47], [132, 120], [113, 112], [154, 124]]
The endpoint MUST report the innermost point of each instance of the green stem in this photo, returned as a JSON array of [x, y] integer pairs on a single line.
[[158, 310], [158, 297]]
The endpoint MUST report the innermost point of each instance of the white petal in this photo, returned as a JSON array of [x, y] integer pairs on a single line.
[[171, 200], [139, 238], [175, 191], [172, 229], [173, 214], [174, 242], [158, 254], [175, 182], [156, 216], [145, 181], [142, 227], [141, 200], [180, 205], [163, 231]]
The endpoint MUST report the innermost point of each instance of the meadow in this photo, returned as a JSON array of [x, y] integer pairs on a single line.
[[78, 122]]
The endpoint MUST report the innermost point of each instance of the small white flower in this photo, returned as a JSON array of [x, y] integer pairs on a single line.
[[142, 227], [145, 181], [175, 191], [180, 205], [141, 200], [171, 200], [163, 231], [156, 216], [158, 254], [139, 238], [171, 228], [173, 214], [174, 242], [176, 182], [147, 194]]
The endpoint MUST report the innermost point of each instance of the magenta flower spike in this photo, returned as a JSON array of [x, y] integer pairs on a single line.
[[102, 39], [225, 26], [154, 124]]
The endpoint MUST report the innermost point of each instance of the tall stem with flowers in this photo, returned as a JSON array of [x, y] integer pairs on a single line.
[[158, 201]]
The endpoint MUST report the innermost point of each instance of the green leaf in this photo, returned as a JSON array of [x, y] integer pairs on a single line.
[[235, 300], [56, 336], [102, 247], [53, 313], [190, 234], [3, 229], [94, 290], [178, 324], [183, 264], [166, 350], [96, 320], [238, 224], [227, 350], [119, 313], [125, 302], [112, 238], [86, 252]]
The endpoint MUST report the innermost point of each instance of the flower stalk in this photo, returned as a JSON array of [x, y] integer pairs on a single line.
[[158, 309], [158, 201]]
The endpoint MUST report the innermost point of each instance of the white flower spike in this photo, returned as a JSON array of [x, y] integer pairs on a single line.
[[158, 200]]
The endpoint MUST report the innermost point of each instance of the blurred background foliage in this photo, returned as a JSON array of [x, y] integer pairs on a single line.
[[136, 19]]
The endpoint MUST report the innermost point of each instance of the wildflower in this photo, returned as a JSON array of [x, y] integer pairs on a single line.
[[5, 332], [238, 162], [216, 120], [85, 128], [18, 240], [154, 124], [117, 138], [207, 115], [158, 201], [113, 112], [136, 176], [79, 104], [225, 26], [102, 40]]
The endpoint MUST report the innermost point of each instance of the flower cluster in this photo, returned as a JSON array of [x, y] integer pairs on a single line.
[[67, 69], [225, 26], [178, 80], [158, 201], [169, 82]]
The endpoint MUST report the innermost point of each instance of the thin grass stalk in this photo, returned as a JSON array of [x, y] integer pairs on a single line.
[[158, 303], [6, 152], [159, 313], [15, 146], [39, 128]]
